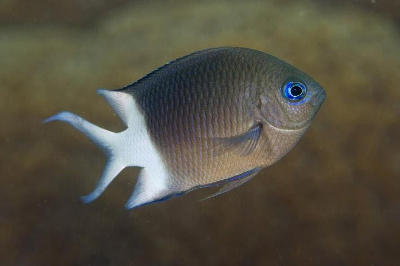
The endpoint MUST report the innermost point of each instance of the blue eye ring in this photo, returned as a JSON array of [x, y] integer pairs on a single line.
[[294, 91]]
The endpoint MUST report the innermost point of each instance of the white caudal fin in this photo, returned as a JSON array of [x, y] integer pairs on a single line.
[[106, 140], [131, 147], [121, 103], [98, 135], [150, 187]]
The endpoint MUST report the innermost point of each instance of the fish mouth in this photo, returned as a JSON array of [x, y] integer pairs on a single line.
[[318, 99], [301, 126]]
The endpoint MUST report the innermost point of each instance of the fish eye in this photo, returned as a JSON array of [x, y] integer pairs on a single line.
[[294, 91]]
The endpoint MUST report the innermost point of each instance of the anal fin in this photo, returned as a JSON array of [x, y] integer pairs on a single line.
[[237, 181]]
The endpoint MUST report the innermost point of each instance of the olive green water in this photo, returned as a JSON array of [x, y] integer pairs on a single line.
[[334, 200]]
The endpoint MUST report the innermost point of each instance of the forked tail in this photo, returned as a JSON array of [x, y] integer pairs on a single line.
[[131, 147]]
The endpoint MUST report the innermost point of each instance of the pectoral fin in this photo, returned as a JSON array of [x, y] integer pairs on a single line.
[[237, 181], [244, 144]]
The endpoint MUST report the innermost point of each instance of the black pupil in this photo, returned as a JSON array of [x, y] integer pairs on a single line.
[[296, 91]]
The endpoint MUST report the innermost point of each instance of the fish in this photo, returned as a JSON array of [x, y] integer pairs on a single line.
[[215, 117]]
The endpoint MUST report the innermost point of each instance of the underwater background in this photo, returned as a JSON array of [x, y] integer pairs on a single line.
[[333, 200]]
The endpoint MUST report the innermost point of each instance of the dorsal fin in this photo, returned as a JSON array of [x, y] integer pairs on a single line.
[[167, 65]]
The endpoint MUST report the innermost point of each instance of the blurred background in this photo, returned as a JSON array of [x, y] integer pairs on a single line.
[[333, 200]]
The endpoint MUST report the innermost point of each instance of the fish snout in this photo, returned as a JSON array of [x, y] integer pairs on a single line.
[[319, 98]]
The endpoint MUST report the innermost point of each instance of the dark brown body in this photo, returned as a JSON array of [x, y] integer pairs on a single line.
[[193, 101], [215, 116]]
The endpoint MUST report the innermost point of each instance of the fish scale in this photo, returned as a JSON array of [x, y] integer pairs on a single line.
[[227, 126], [213, 117]]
